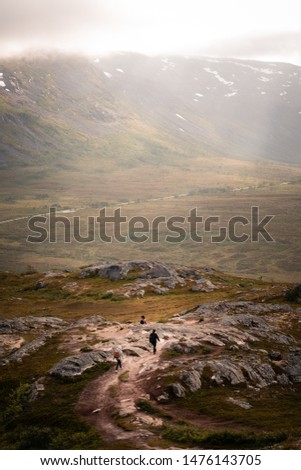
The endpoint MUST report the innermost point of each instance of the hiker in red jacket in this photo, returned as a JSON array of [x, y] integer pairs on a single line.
[[118, 355]]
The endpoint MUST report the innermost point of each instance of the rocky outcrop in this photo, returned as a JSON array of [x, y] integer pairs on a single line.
[[76, 365], [203, 285], [25, 324], [244, 372], [178, 390], [236, 307], [292, 366], [94, 320], [44, 328], [114, 271], [27, 349], [230, 370], [155, 277], [191, 378]]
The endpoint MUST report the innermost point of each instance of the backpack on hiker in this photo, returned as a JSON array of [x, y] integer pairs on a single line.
[[116, 354]]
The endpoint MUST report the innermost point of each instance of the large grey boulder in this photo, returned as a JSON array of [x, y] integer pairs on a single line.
[[186, 347], [227, 370], [114, 272], [75, 365], [178, 390], [224, 370], [292, 367], [191, 378], [158, 270]]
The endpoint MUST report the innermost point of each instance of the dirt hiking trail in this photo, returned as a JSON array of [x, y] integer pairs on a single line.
[[117, 393]]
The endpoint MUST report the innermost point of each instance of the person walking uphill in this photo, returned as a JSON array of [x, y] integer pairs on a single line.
[[153, 338], [118, 354]]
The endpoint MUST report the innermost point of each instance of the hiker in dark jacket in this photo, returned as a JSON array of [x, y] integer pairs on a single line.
[[142, 320], [153, 338]]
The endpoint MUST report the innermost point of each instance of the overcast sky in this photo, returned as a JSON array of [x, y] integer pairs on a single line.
[[250, 29]]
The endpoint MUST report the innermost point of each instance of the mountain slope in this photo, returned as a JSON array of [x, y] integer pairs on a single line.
[[234, 107], [68, 107]]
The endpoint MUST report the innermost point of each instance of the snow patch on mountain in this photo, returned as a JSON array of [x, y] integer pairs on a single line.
[[167, 64], [180, 117], [218, 77], [2, 84], [267, 71], [108, 75]]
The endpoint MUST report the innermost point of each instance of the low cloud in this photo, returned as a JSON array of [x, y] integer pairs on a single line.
[[152, 27], [273, 45]]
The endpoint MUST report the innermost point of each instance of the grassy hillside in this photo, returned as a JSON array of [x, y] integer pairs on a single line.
[[53, 420]]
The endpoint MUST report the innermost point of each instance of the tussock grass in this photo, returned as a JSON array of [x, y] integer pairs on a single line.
[[223, 439], [50, 422]]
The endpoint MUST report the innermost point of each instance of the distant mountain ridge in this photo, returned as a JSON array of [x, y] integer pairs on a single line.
[[148, 110], [237, 108]]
